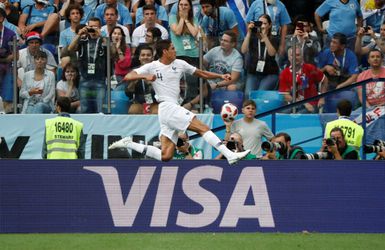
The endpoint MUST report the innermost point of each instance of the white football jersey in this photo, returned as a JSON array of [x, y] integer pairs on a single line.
[[167, 83]]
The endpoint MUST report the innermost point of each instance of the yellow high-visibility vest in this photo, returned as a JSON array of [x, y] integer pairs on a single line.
[[353, 132], [62, 137]]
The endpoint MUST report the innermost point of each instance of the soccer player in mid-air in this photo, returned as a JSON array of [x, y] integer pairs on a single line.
[[165, 75]]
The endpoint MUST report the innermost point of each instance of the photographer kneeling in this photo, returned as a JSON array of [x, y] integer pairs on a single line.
[[279, 148], [184, 150], [235, 144], [337, 146]]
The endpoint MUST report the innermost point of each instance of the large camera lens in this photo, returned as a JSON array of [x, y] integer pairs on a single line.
[[330, 142]]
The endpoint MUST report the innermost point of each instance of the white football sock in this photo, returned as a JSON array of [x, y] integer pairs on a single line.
[[214, 141], [150, 151]]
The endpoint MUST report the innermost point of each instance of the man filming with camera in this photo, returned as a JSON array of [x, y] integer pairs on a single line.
[[184, 150], [234, 142], [279, 148], [337, 146]]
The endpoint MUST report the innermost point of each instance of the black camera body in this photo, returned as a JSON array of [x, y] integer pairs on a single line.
[[366, 28], [271, 146], [257, 27], [232, 145], [330, 142], [179, 143]]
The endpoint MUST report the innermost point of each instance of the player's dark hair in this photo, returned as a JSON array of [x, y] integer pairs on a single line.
[[344, 107], [162, 45], [64, 103]]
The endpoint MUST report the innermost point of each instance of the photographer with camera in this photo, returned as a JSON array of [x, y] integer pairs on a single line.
[[260, 49], [377, 147], [337, 146], [184, 150], [92, 57], [279, 148], [234, 142]]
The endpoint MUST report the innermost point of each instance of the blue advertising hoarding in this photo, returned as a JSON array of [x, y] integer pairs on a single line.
[[191, 196]]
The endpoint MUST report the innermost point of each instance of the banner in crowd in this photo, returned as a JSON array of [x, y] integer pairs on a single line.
[[39, 196]]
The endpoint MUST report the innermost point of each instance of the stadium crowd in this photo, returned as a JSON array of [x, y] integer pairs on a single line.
[[64, 48]]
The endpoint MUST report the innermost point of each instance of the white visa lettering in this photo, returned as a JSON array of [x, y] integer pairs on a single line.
[[209, 201], [251, 177], [163, 198], [124, 213]]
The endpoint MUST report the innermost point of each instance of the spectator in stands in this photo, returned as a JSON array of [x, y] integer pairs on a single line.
[[217, 20], [111, 18], [121, 55], [375, 91], [92, 51], [10, 25], [161, 13], [68, 86], [342, 19], [278, 15], [140, 92], [338, 63], [374, 17], [340, 150], [308, 78], [38, 89], [124, 17], [225, 59], [234, 142], [139, 34], [185, 150], [251, 129], [26, 60], [353, 132], [73, 14], [39, 17], [12, 12], [184, 29], [260, 49], [153, 35], [285, 151], [305, 39], [6, 58], [377, 42], [86, 9]]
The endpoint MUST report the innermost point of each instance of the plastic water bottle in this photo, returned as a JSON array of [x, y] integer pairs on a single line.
[[208, 109]]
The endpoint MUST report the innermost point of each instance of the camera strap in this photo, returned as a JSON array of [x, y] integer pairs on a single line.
[[259, 51], [95, 52], [337, 62]]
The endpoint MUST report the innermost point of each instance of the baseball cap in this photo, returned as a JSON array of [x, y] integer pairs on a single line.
[[33, 35], [2, 10]]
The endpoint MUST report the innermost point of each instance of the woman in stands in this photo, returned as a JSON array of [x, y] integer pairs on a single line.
[[121, 56], [38, 88], [260, 51], [68, 86]]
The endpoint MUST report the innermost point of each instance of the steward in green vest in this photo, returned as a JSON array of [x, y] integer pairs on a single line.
[[353, 132], [63, 138]]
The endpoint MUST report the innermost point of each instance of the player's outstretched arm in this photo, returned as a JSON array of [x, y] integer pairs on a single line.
[[133, 76], [211, 75]]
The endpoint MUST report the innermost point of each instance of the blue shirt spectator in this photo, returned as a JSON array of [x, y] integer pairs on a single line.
[[161, 14], [342, 16], [124, 15], [38, 15]]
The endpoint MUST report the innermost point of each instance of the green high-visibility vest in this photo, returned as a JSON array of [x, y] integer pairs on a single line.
[[62, 137]]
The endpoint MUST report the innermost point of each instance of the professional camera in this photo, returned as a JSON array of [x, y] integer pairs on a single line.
[[277, 146], [317, 156], [378, 146], [366, 28], [301, 26], [330, 142], [232, 145], [257, 27], [179, 143], [91, 30]]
